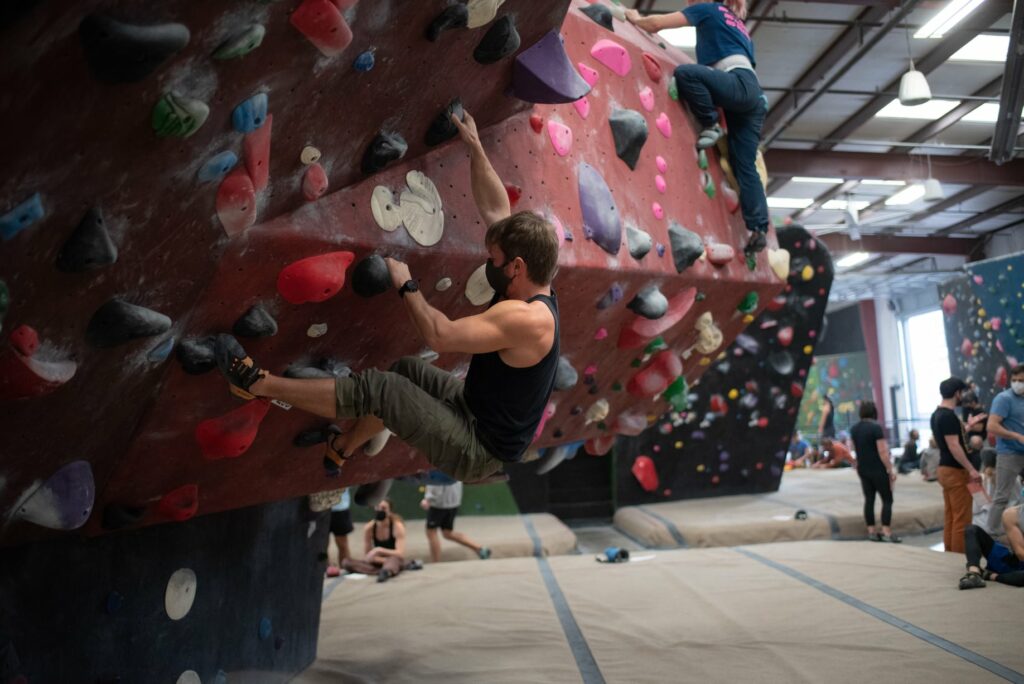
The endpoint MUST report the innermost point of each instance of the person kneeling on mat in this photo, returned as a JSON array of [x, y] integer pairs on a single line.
[[383, 544], [1003, 564], [467, 430], [441, 502]]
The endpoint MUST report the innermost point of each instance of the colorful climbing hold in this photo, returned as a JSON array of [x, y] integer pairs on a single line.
[[647, 98], [661, 164], [236, 202], [582, 107], [217, 166], [664, 125], [89, 246], [601, 221], [652, 66], [657, 210], [314, 182], [673, 89], [543, 73], [612, 296], [315, 278], [22, 216], [536, 123], [500, 41], [161, 351], [251, 113], [748, 304], [732, 199], [645, 473], [364, 61], [323, 25], [256, 151], [118, 52], [231, 435], [241, 42], [629, 131], [660, 184], [702, 160], [179, 504], [178, 116], [561, 137], [655, 378], [949, 304], [63, 502], [612, 55], [589, 74]]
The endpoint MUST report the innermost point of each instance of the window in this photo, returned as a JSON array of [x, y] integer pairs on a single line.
[[925, 365]]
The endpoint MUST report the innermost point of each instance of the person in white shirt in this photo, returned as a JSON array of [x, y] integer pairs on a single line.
[[441, 502]]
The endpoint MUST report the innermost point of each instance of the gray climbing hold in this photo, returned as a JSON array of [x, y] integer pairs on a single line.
[[161, 351], [124, 53], [323, 368], [196, 355], [241, 42], [629, 130], [385, 148], [371, 277], [638, 241], [453, 16], [614, 295], [500, 41], [372, 493], [117, 322], [566, 376], [256, 322], [311, 437], [686, 246], [649, 303], [782, 362], [89, 246], [441, 128], [600, 14]]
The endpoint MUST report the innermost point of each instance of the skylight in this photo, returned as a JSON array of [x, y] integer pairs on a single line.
[[986, 113], [879, 181], [843, 205], [949, 16], [906, 196], [816, 179], [789, 202], [929, 111], [854, 259], [983, 48], [685, 37]]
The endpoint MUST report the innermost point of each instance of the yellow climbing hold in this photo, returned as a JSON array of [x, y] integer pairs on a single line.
[[981, 313], [807, 273], [733, 393], [808, 349], [700, 468], [748, 319], [705, 361], [679, 445]]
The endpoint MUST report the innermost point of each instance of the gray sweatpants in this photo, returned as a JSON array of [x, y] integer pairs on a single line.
[[1007, 493]]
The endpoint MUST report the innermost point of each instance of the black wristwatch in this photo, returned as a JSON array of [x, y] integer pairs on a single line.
[[408, 286]]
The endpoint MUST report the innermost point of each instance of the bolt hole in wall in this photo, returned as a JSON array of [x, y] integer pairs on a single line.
[[925, 363]]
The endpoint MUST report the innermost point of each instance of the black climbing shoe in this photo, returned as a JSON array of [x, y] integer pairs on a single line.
[[971, 580], [383, 576], [333, 458], [890, 538], [756, 244], [708, 137], [414, 564], [239, 368]]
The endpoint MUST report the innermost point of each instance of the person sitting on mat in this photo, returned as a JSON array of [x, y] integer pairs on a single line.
[[875, 471], [808, 459], [930, 461], [469, 429], [834, 454], [441, 502], [1003, 564], [723, 77], [383, 544], [910, 459]]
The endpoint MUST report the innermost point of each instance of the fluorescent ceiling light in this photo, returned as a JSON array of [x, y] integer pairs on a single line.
[[929, 111], [952, 14], [843, 205], [685, 37], [789, 202], [879, 181], [815, 179], [986, 113], [983, 48], [906, 196], [854, 259]]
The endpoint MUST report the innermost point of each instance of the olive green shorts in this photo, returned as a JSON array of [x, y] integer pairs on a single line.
[[424, 407]]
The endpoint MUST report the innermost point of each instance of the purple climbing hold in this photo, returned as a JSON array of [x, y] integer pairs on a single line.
[[612, 296], [64, 501], [600, 215], [543, 73]]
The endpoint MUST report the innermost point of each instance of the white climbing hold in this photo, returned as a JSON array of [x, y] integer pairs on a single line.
[[317, 330], [443, 284], [778, 259], [482, 12], [180, 594], [377, 442], [385, 212], [598, 411], [478, 290], [709, 337], [189, 677], [309, 155], [311, 529], [421, 209]]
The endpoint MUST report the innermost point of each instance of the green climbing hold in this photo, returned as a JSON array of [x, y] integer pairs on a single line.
[[673, 91], [635, 363], [602, 426], [676, 394], [748, 304], [178, 116], [700, 297], [655, 345], [241, 43], [616, 386], [702, 159], [751, 262], [709, 185], [5, 301]]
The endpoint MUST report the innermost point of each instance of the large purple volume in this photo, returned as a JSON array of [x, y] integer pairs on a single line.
[[543, 73], [64, 501], [600, 215]]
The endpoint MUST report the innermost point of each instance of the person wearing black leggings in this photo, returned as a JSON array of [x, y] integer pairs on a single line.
[[874, 467], [1004, 564]]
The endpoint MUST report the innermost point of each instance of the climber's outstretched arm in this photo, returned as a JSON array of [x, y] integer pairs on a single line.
[[488, 190]]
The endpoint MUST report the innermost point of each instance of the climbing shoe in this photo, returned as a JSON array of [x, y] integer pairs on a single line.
[[484, 553], [708, 137], [757, 242], [239, 368], [383, 576], [971, 580]]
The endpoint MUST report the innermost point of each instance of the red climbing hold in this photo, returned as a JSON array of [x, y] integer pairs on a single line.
[[949, 305], [314, 183], [180, 504], [718, 405], [25, 339], [314, 279], [796, 389], [645, 473], [657, 376], [236, 202], [231, 435], [599, 446], [537, 123], [776, 303], [967, 347], [321, 22], [1001, 379], [514, 193], [256, 150], [652, 67], [24, 375]]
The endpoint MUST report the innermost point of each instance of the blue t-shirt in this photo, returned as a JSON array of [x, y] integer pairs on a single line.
[[720, 33], [798, 449], [1001, 559], [1010, 408], [343, 504]]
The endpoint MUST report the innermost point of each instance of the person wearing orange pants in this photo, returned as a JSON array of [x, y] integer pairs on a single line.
[[955, 469]]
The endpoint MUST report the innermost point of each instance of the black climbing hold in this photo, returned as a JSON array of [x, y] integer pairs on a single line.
[[566, 376], [453, 16], [117, 322], [256, 322], [89, 246], [629, 129], [116, 516], [639, 241], [442, 129], [10, 663], [278, 643], [385, 148], [371, 277], [372, 493], [324, 368], [311, 437], [600, 14], [686, 246], [649, 303], [500, 41], [124, 53], [196, 355], [801, 514]]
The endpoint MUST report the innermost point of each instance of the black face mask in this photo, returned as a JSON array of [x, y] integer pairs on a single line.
[[496, 277], [381, 515]]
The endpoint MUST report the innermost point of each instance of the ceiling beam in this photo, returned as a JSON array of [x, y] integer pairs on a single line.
[[860, 165], [953, 116], [998, 210], [948, 203], [840, 189], [1012, 97], [840, 243]]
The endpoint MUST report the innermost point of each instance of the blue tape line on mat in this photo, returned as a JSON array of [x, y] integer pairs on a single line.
[[672, 529], [933, 639], [588, 668], [833, 522]]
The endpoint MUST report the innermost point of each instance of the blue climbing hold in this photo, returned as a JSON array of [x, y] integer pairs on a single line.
[[250, 114], [21, 217], [114, 602], [221, 677], [218, 166], [160, 352], [364, 62], [265, 628]]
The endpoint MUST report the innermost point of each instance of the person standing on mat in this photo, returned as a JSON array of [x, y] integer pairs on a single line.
[[1006, 422], [341, 527], [827, 424], [441, 502], [723, 77], [383, 544], [467, 430], [955, 470], [1004, 564], [875, 471]]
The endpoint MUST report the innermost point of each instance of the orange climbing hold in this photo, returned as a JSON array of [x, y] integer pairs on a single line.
[[231, 435], [236, 202], [314, 279], [179, 504], [314, 183], [256, 150], [321, 22]]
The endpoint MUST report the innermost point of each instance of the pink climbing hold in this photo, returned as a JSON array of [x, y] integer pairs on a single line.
[[549, 411], [601, 333], [559, 228], [537, 123], [647, 98], [638, 331], [582, 107], [629, 424], [657, 210], [179, 504], [321, 22], [589, 74], [664, 125], [25, 340], [23, 374], [231, 435], [591, 369], [256, 151], [661, 164], [612, 55], [949, 305], [236, 202], [645, 473], [315, 278], [561, 137], [732, 200], [314, 182], [653, 67], [660, 184], [967, 347], [785, 336], [599, 446], [663, 369], [720, 254], [978, 280], [996, 323]]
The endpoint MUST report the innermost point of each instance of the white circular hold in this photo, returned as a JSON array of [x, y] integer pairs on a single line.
[[309, 155], [443, 284], [481, 12], [180, 594], [189, 677], [421, 209], [386, 213], [478, 290], [317, 330]]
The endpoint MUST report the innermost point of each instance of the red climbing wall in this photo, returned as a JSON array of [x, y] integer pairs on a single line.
[[133, 415]]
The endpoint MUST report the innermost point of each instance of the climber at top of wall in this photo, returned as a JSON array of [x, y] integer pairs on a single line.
[[724, 77], [465, 429]]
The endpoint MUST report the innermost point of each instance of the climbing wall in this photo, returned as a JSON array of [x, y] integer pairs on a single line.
[[847, 380], [244, 170], [733, 436]]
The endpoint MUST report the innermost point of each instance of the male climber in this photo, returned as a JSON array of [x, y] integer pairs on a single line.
[[465, 429]]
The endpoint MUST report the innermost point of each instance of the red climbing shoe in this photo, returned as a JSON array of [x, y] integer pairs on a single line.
[[333, 571], [239, 368]]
